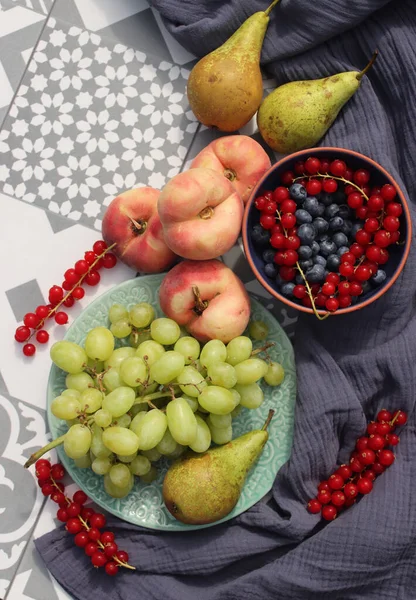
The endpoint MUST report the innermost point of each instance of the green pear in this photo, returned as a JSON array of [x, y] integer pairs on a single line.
[[225, 88], [297, 115], [203, 488]]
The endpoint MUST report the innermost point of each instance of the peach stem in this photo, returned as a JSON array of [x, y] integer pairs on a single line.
[[200, 305]]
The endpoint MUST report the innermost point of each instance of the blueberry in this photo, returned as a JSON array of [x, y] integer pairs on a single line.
[[297, 192], [327, 247], [270, 270], [302, 216], [326, 199], [333, 263], [287, 288], [331, 211], [340, 239], [316, 274], [268, 255], [306, 233], [319, 260], [304, 252], [366, 287], [336, 223], [279, 281], [306, 264], [323, 237], [260, 236], [347, 227], [312, 206], [315, 247], [342, 250], [320, 225], [299, 279], [344, 211], [355, 228], [379, 277]]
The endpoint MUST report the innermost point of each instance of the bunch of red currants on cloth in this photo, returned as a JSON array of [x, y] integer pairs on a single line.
[[370, 458], [324, 233]]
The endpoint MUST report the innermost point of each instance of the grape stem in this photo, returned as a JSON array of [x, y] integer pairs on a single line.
[[263, 348], [150, 397], [36, 455]]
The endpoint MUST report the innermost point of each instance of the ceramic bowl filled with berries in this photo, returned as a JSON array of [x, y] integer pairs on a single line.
[[327, 231]]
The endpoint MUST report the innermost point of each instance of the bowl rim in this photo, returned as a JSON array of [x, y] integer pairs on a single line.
[[406, 249]]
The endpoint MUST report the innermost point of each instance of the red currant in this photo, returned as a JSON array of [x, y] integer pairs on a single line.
[[356, 465], [67, 286], [260, 202], [290, 258], [395, 236], [361, 177], [376, 441], [363, 237], [314, 506], [391, 223], [335, 482], [345, 301], [59, 498], [74, 509], [42, 336], [21, 334], [109, 260], [371, 225], [56, 294], [86, 513], [375, 203], [333, 278], [268, 196], [288, 206], [107, 537], [306, 301], [349, 502], [400, 417], [386, 457], [313, 187], [312, 165], [338, 498], [388, 192], [350, 490], [80, 497], [369, 474], [367, 457], [392, 439], [69, 302], [373, 253], [361, 212], [78, 293], [346, 270], [364, 485], [111, 568], [98, 559], [61, 318], [89, 257], [267, 221], [324, 496], [62, 515], [363, 273], [324, 486], [31, 320], [292, 242], [378, 468], [122, 556], [73, 525], [329, 512], [277, 228], [344, 471], [94, 533], [99, 247], [110, 549], [383, 428], [98, 520], [394, 209], [92, 278], [332, 304], [43, 471], [29, 349], [299, 167], [382, 238], [384, 256], [71, 276], [279, 258], [299, 291], [270, 208], [338, 168], [280, 194], [355, 200], [362, 443], [278, 240], [288, 220], [328, 288], [288, 177], [81, 267], [357, 249], [325, 164], [287, 273], [330, 186], [384, 415], [42, 312], [81, 539], [348, 257], [355, 288], [90, 548]]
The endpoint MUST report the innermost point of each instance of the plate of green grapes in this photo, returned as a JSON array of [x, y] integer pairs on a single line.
[[130, 393]]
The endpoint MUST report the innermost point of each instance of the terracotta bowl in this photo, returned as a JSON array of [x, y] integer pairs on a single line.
[[379, 176]]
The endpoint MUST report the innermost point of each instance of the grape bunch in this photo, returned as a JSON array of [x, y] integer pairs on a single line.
[[157, 394]]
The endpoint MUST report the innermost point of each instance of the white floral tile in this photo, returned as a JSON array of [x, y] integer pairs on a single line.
[[92, 118]]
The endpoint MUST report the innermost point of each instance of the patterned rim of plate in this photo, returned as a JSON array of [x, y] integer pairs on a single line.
[[144, 505]]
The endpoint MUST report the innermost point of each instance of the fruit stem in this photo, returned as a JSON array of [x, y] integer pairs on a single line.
[[206, 213], [263, 348], [271, 7], [308, 287], [34, 457], [267, 421], [327, 176], [230, 174], [370, 64], [200, 305], [138, 227]]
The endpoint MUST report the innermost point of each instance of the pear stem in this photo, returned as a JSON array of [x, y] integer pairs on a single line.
[[271, 7], [267, 421], [370, 64], [34, 457]]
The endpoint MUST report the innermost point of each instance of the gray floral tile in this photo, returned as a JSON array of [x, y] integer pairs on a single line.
[[92, 118]]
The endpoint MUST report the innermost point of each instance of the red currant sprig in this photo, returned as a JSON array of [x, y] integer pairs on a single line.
[[369, 459], [82, 522], [85, 270]]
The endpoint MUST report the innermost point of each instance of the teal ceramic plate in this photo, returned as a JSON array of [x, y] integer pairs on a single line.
[[144, 505]]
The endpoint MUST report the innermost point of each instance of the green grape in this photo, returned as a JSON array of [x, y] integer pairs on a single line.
[[222, 374], [151, 350], [216, 400], [250, 370], [99, 343], [191, 382], [165, 331], [112, 380], [189, 347], [200, 368], [214, 351], [117, 492], [202, 410], [138, 337], [137, 408], [220, 421], [150, 476], [239, 349], [203, 436], [119, 401], [65, 407], [72, 394], [237, 397], [152, 429], [97, 446], [221, 436], [117, 312], [149, 388], [103, 418], [181, 421], [121, 328], [68, 356], [153, 455], [167, 367], [84, 462], [101, 466], [258, 330], [71, 422], [123, 421], [251, 395], [141, 315], [120, 475], [77, 441], [167, 444], [133, 371], [275, 374], [135, 424], [140, 465], [118, 356], [79, 381], [127, 459], [120, 440], [96, 365], [193, 402], [177, 452], [91, 400], [236, 412]]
